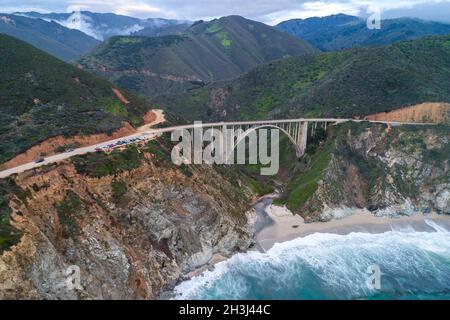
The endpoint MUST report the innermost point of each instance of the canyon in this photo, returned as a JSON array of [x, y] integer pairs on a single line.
[[136, 232]]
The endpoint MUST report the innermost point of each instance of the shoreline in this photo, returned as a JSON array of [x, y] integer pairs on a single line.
[[275, 224], [283, 226]]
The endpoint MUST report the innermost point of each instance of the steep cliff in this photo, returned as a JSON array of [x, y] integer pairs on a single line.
[[134, 224], [389, 170], [132, 230]]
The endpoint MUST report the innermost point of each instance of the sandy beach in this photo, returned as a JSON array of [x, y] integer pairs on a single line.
[[278, 225], [275, 224]]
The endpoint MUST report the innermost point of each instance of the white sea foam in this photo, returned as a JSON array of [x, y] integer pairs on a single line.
[[435, 226], [335, 262], [402, 228]]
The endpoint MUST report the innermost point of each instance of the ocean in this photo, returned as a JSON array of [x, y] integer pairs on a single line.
[[412, 265]]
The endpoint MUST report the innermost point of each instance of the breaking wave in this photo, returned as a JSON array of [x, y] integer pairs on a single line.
[[414, 265]]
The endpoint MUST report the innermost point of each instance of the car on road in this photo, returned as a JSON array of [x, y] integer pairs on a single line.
[[39, 160]]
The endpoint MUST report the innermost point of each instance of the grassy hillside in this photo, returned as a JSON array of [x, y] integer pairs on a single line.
[[206, 52], [341, 31], [176, 29], [51, 37], [41, 96], [349, 83]]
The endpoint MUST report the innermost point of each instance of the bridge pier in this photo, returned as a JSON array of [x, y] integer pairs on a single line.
[[296, 130], [314, 127], [302, 139]]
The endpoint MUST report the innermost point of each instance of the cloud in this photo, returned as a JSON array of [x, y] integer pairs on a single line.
[[138, 8], [438, 11], [268, 11], [312, 9], [130, 9]]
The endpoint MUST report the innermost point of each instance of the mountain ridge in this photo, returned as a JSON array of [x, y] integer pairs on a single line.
[[341, 31], [55, 39], [43, 97], [208, 51], [104, 25], [349, 83]]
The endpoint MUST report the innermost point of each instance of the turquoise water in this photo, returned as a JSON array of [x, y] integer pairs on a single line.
[[413, 265]]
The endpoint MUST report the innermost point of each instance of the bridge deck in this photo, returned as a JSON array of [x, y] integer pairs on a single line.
[[155, 132], [244, 123]]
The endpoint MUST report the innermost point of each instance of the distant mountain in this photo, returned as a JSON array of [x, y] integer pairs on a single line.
[[105, 25], [176, 29], [353, 82], [342, 31], [208, 51], [51, 37], [42, 97]]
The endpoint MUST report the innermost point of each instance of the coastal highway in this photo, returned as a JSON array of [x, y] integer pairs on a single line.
[[146, 133], [143, 132], [66, 155]]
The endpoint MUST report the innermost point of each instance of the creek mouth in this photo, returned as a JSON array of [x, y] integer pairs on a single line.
[[305, 246], [415, 264], [263, 220]]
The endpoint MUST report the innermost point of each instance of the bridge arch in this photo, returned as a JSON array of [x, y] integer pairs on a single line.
[[248, 131]]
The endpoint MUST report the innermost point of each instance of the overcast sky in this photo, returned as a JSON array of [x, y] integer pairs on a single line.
[[268, 11]]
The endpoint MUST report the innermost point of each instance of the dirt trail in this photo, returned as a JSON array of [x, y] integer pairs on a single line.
[[47, 148], [156, 117], [120, 96]]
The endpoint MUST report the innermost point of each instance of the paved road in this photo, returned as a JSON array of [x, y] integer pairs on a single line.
[[147, 133], [67, 155], [144, 132]]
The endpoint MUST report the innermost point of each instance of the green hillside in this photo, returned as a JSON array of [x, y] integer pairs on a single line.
[[206, 52], [349, 83], [41, 97], [342, 31], [175, 29], [51, 37]]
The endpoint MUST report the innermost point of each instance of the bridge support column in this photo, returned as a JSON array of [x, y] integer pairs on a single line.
[[296, 132], [224, 144], [302, 139], [313, 129]]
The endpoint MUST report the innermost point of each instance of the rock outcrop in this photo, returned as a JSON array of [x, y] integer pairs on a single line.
[[131, 224], [390, 171], [131, 235]]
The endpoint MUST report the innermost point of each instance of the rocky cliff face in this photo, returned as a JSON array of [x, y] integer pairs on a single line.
[[134, 224], [390, 171], [131, 234]]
